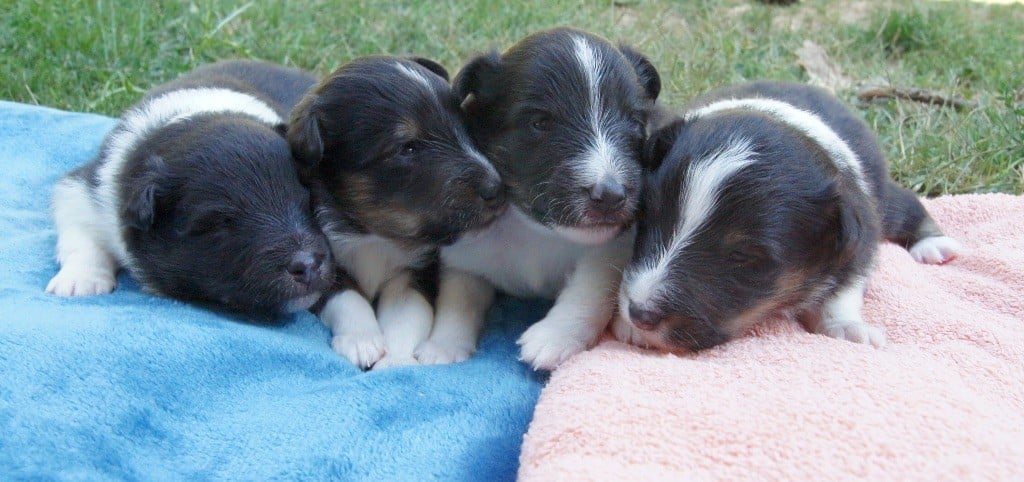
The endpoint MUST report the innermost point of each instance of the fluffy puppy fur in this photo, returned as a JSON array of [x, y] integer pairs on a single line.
[[561, 114], [195, 192], [398, 175], [765, 198]]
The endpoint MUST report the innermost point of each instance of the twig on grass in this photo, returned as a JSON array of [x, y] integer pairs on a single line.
[[917, 95]]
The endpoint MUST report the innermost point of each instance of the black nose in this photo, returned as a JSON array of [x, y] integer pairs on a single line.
[[491, 193], [607, 195], [305, 266], [643, 319]]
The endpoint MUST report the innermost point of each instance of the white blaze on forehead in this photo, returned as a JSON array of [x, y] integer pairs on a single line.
[[416, 76], [806, 122], [141, 121], [600, 161], [701, 191]]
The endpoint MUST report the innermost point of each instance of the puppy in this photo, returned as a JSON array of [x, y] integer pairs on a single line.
[[561, 114], [399, 176], [765, 198], [195, 192]]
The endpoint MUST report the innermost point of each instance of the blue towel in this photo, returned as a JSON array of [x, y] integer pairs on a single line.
[[132, 386]]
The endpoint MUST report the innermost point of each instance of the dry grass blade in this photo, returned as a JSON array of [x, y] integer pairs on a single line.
[[820, 68]]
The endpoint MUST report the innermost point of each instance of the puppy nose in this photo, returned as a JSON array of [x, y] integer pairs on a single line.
[[305, 266], [491, 193], [607, 195], [643, 319]]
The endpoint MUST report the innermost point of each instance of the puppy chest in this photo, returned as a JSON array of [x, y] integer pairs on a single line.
[[372, 260], [516, 261]]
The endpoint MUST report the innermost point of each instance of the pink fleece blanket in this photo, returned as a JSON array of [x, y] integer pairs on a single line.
[[943, 401]]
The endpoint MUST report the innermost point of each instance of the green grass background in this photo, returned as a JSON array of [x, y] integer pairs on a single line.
[[99, 56]]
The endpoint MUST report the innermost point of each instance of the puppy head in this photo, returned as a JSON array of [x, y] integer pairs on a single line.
[[386, 137], [742, 217], [562, 115], [214, 211]]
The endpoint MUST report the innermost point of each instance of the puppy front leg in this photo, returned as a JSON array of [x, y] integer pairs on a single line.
[[462, 303], [405, 316], [86, 267], [840, 317], [356, 334], [581, 312]]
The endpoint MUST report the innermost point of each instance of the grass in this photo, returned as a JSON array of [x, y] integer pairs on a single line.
[[99, 56]]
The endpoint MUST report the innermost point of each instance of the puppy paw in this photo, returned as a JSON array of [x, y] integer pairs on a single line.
[[936, 250], [71, 281], [362, 349], [431, 352], [855, 331], [625, 332], [389, 361], [548, 343]]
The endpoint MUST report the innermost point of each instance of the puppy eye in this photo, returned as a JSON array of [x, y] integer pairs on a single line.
[[542, 124], [207, 224], [409, 148], [747, 257]]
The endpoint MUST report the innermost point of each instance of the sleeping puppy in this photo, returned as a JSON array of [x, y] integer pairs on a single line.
[[196, 194], [765, 198], [399, 176], [561, 114]]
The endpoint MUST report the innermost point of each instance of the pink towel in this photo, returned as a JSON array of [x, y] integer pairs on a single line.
[[943, 401]]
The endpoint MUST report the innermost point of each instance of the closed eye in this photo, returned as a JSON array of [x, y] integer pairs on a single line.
[[748, 256], [208, 223]]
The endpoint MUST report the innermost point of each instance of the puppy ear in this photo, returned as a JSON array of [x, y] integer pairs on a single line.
[[303, 134], [658, 145], [851, 231], [431, 66], [281, 129], [479, 77], [645, 71], [139, 209]]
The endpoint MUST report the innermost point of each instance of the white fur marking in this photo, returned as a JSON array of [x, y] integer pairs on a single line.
[[140, 121], [462, 302], [302, 303], [357, 336], [842, 317], [936, 250], [416, 76], [589, 235], [405, 319], [477, 156], [704, 181], [580, 314], [807, 122], [598, 164], [86, 268]]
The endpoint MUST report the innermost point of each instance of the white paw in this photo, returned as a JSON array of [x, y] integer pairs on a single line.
[[936, 250], [362, 349], [548, 343], [71, 281], [394, 361], [625, 332], [431, 352], [855, 331]]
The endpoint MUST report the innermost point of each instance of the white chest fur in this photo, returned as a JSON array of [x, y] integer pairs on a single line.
[[372, 260], [518, 256]]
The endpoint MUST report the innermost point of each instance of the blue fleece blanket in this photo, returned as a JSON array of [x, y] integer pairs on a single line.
[[131, 386]]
